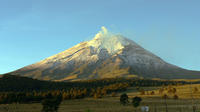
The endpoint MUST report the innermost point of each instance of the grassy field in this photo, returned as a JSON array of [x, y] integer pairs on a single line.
[[112, 104], [183, 92]]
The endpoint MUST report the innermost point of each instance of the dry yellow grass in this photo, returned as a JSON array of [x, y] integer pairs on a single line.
[[182, 91]]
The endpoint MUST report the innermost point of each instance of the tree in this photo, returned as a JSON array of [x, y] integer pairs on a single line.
[[85, 91], [165, 98], [174, 90], [152, 93], [175, 97], [161, 90], [65, 95], [97, 95], [51, 104], [104, 91], [113, 94], [142, 92], [136, 102], [124, 99], [195, 90]]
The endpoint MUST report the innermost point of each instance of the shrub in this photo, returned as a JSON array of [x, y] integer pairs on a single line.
[[136, 101], [124, 99]]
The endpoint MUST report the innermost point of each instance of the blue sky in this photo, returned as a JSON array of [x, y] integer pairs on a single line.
[[31, 30]]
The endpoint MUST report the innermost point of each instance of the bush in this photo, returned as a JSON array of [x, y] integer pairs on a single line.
[[124, 99], [136, 101]]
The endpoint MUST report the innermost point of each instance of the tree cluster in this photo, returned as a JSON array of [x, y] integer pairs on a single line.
[[16, 89]]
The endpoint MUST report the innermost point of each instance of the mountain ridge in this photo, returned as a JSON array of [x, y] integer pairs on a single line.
[[107, 55]]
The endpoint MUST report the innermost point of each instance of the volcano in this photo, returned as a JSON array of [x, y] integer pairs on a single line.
[[107, 55]]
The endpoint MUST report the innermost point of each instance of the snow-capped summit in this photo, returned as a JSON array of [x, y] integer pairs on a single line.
[[106, 55], [109, 41]]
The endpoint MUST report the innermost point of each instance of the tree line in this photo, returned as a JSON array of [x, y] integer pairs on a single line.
[[73, 93], [16, 89]]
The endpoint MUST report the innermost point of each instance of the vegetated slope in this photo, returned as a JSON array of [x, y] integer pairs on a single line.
[[106, 56]]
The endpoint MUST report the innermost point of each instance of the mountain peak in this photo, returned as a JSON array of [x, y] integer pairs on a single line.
[[109, 41], [107, 55]]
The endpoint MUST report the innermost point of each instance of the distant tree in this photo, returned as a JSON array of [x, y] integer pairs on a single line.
[[97, 95], [169, 91], [85, 91], [92, 92], [51, 104], [142, 92], [136, 102], [161, 90], [65, 95], [113, 94], [174, 90], [104, 91], [124, 99], [152, 93], [175, 97], [195, 90], [165, 97]]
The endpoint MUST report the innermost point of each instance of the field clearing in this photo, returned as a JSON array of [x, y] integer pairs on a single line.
[[112, 104]]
